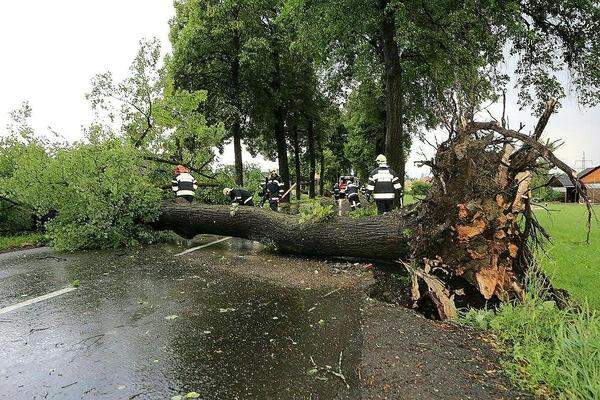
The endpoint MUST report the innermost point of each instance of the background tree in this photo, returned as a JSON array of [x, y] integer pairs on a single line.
[[211, 42], [364, 119], [421, 49], [162, 121]]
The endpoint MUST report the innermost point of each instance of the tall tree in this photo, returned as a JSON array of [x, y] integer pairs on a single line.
[[421, 49], [210, 40], [312, 158], [364, 118], [283, 91], [158, 119]]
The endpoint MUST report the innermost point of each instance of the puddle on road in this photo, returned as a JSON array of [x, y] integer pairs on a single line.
[[148, 325]]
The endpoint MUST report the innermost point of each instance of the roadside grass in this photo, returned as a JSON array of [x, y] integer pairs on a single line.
[[570, 262], [20, 241], [555, 352]]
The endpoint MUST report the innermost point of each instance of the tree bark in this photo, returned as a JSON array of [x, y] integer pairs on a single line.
[[311, 158], [236, 126], [282, 151], [394, 138], [370, 238], [237, 151], [297, 170], [197, 170], [279, 115], [322, 173]]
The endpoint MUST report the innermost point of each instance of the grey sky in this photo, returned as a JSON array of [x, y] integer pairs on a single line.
[[50, 50]]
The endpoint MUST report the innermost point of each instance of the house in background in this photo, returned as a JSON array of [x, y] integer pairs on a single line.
[[590, 177]]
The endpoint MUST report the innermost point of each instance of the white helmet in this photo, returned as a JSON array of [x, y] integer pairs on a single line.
[[226, 191], [381, 159]]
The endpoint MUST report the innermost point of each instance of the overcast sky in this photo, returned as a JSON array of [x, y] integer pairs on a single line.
[[51, 49]]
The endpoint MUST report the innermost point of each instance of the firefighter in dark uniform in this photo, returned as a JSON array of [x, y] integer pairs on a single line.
[[352, 193], [264, 195], [339, 190], [274, 188], [336, 192], [183, 185], [239, 196], [385, 185]]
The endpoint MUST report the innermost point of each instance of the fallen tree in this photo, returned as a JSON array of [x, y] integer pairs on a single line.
[[378, 237], [468, 242]]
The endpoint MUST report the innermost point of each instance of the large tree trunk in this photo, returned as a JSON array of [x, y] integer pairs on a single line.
[[279, 115], [282, 151], [371, 238], [297, 170], [236, 126], [311, 158], [322, 173], [394, 138], [237, 152]]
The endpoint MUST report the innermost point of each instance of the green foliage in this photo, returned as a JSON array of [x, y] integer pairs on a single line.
[[314, 212], [553, 350], [99, 189], [548, 194], [420, 188], [147, 110], [19, 146], [129, 102], [367, 210], [104, 188], [364, 119], [225, 177], [443, 58], [14, 219], [22, 240]]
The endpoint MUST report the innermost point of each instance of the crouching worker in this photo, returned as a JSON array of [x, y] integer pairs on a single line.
[[384, 184], [241, 197], [274, 189], [184, 185], [352, 193]]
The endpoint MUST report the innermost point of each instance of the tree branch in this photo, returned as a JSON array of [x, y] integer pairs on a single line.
[[16, 203], [178, 162], [543, 151]]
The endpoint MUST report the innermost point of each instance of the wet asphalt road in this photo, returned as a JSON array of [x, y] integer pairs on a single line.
[[147, 325]]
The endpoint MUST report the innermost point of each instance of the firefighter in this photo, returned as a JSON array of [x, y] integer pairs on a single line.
[[263, 192], [339, 193], [365, 192], [184, 185], [336, 192], [239, 196], [384, 184], [352, 193], [274, 189]]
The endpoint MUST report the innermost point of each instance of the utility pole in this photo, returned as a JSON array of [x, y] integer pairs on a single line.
[[584, 162]]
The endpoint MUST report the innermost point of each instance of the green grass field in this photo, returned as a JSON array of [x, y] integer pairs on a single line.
[[571, 263], [19, 241]]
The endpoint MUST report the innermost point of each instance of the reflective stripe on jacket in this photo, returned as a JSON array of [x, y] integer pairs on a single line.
[[274, 188], [240, 196], [383, 183], [184, 184], [351, 189]]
